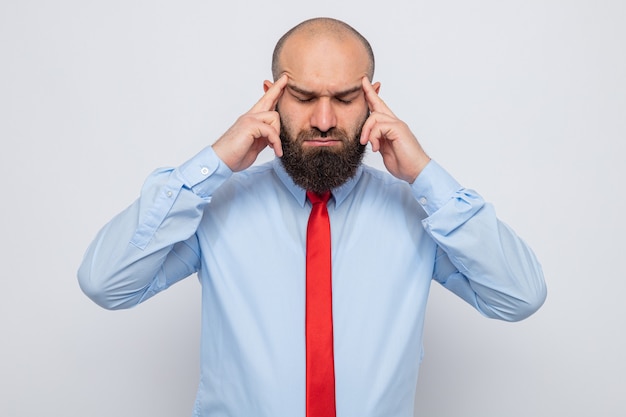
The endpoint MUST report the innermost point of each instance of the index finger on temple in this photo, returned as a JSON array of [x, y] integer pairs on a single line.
[[374, 102], [271, 96]]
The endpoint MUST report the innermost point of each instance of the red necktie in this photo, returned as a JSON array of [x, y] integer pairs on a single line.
[[320, 366]]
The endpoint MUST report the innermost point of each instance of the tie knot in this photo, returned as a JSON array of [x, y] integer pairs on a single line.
[[316, 198]]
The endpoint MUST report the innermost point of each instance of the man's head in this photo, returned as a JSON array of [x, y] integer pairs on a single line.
[[318, 27], [323, 106]]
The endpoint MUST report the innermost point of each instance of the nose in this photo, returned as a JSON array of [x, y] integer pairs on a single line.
[[323, 116]]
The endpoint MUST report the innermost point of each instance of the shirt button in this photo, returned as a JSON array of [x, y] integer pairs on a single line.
[[204, 171], [423, 201], [169, 193]]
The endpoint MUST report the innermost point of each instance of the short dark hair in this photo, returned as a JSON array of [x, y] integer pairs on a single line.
[[322, 25]]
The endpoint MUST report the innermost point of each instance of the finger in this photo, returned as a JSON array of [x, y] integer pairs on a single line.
[[270, 118], [381, 131], [367, 131], [375, 142], [271, 96], [268, 129], [371, 133], [275, 143], [270, 135], [375, 103]]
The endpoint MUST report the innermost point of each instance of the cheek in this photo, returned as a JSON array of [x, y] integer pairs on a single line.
[[286, 126], [290, 115], [354, 118]]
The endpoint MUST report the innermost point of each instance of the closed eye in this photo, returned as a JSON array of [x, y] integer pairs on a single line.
[[304, 99], [347, 97]]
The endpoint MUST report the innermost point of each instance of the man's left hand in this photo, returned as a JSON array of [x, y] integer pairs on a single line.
[[402, 154]]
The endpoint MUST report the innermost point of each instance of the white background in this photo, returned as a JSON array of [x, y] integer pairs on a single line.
[[524, 101]]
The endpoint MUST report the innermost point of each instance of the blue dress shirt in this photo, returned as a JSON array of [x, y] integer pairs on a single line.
[[244, 234]]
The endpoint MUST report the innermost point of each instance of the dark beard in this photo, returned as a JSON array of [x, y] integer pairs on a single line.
[[321, 169]]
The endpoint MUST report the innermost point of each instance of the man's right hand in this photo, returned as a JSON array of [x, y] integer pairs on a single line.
[[253, 131]]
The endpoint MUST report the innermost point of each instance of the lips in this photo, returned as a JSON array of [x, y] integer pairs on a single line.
[[321, 142]]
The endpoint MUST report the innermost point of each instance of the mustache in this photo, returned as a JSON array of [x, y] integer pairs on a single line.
[[314, 133]]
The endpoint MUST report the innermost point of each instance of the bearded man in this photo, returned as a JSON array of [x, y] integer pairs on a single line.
[[270, 296]]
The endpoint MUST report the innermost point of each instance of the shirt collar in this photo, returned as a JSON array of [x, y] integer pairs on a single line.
[[339, 194]]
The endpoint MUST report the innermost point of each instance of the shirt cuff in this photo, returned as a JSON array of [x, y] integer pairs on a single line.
[[204, 173], [434, 187]]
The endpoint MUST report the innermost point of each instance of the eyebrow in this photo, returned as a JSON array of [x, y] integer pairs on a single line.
[[338, 94]]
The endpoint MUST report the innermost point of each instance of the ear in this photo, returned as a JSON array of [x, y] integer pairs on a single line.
[[376, 86], [266, 85]]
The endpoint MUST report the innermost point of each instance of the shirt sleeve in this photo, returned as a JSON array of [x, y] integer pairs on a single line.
[[152, 244], [479, 258]]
